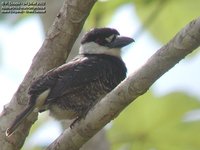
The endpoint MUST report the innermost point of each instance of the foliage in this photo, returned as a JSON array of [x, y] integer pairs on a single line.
[[102, 12], [169, 17], [163, 18], [150, 123], [153, 123]]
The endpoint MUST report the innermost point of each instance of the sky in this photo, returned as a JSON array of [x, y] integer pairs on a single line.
[[20, 43]]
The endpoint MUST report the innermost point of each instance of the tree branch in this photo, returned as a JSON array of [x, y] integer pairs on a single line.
[[135, 85], [53, 52]]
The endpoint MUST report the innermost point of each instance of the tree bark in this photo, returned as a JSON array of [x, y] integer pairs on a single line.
[[99, 141], [132, 87], [54, 51]]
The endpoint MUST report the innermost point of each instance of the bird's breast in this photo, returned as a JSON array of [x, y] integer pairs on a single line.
[[61, 114]]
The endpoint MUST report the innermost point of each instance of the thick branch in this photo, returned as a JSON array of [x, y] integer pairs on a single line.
[[53, 52], [135, 85]]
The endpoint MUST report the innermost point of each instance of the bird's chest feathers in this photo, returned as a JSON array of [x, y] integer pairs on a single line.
[[61, 114]]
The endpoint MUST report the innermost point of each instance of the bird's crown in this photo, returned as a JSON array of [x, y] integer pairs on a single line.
[[101, 36]]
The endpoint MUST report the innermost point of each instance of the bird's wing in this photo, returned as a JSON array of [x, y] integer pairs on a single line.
[[65, 78], [80, 74]]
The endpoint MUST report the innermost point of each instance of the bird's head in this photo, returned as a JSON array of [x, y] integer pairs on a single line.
[[103, 41]]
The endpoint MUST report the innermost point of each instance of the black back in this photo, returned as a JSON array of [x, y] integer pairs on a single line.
[[82, 82]]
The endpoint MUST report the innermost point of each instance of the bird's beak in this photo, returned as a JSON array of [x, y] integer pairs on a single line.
[[120, 42]]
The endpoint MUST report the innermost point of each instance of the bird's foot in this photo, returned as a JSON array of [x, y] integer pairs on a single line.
[[77, 119]]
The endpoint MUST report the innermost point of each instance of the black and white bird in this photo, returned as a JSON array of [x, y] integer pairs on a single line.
[[72, 89]]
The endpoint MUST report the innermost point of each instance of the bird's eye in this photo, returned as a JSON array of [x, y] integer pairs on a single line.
[[111, 38]]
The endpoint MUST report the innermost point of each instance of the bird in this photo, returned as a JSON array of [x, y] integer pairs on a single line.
[[72, 89]]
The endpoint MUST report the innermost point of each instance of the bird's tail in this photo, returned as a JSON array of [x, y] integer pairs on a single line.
[[19, 119]]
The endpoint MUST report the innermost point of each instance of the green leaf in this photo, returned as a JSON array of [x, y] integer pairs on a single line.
[[169, 16], [156, 123], [102, 12]]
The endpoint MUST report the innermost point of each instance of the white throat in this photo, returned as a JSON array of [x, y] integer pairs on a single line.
[[93, 48]]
